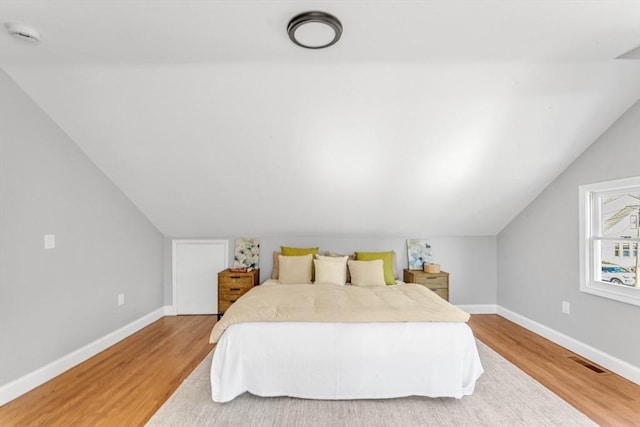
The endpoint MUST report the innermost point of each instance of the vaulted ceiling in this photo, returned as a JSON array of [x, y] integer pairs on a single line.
[[428, 118]]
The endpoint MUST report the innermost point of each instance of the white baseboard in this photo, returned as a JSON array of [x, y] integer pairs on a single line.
[[28, 382], [479, 308], [612, 363], [170, 310]]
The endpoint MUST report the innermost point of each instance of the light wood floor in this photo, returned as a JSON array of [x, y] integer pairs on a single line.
[[127, 383]]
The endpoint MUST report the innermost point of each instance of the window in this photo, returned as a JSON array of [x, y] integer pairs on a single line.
[[609, 236]]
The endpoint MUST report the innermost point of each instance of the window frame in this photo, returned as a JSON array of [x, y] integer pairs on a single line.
[[590, 250]]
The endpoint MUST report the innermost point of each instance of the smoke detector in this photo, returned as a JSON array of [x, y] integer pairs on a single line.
[[23, 32]]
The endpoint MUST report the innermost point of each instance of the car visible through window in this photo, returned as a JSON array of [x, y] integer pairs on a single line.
[[617, 274]]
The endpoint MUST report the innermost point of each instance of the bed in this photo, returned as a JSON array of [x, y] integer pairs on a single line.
[[343, 342]]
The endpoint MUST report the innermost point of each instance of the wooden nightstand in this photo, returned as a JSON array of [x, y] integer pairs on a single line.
[[437, 282], [232, 285]]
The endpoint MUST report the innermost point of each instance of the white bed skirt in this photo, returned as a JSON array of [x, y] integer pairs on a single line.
[[345, 360]]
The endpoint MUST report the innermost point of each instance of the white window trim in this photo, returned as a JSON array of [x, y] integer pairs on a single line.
[[588, 273]]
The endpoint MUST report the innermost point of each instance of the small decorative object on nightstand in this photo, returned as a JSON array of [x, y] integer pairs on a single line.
[[437, 282], [232, 285]]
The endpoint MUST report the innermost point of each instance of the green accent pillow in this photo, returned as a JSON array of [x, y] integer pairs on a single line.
[[387, 261], [289, 251]]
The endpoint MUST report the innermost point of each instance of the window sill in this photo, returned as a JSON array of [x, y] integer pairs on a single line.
[[622, 293]]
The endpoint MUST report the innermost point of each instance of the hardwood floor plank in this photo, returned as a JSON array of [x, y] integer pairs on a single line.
[[127, 383]]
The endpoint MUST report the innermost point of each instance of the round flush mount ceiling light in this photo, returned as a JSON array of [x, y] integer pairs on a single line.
[[23, 32], [314, 30]]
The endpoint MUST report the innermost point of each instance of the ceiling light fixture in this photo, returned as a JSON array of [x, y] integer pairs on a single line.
[[23, 32], [314, 30]]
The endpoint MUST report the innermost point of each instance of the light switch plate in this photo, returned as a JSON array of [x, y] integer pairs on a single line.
[[49, 241]]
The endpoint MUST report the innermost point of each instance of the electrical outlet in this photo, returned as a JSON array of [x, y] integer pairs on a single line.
[[120, 299], [566, 307], [49, 241]]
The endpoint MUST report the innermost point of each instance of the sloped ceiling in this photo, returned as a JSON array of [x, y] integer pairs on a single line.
[[428, 118]]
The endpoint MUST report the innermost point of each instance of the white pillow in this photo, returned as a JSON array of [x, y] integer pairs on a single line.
[[331, 272], [333, 255], [333, 258], [295, 269], [367, 273]]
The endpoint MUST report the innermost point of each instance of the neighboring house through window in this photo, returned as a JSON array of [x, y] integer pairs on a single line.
[[609, 236]]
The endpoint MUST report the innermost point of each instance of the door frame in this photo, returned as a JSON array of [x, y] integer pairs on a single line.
[[174, 284]]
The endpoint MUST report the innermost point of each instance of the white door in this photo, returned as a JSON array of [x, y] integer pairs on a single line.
[[196, 264]]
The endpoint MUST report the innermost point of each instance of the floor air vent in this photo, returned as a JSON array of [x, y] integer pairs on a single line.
[[587, 364]]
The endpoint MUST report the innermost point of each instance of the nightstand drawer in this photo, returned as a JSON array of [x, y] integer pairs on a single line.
[[432, 281], [223, 306], [235, 286], [232, 281], [232, 294], [442, 292]]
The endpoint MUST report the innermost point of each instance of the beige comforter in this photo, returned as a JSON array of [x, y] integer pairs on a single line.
[[273, 302]]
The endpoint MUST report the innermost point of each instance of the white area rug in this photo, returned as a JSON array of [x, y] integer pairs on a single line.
[[504, 396]]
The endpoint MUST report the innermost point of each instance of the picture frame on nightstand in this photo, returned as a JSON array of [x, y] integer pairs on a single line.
[[418, 253]]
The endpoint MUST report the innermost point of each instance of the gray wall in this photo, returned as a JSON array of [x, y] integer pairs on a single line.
[[471, 261], [55, 301], [538, 251]]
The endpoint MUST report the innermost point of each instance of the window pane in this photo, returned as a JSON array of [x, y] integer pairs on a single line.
[[616, 271], [619, 214]]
